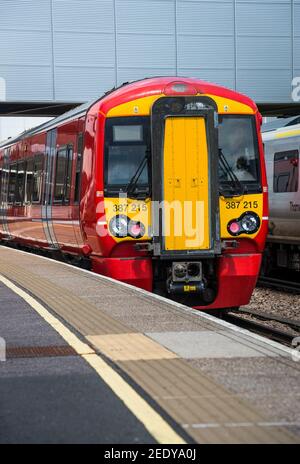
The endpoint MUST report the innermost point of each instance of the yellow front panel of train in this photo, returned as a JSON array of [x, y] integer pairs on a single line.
[[186, 224]]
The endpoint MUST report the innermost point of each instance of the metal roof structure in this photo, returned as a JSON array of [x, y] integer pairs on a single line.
[[65, 52]]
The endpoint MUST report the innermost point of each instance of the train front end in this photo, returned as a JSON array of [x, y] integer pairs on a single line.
[[182, 207]]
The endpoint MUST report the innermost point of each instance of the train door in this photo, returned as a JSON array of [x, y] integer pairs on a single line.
[[185, 184], [77, 171], [48, 190], [4, 194]]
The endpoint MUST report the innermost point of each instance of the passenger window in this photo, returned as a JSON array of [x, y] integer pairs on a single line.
[[60, 177], [20, 183], [69, 174], [28, 182], [63, 177], [12, 183], [286, 171], [37, 180], [78, 168]]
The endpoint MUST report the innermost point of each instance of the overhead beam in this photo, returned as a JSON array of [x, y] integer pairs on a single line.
[[44, 109], [279, 109]]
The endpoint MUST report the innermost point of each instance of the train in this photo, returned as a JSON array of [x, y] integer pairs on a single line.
[[159, 183], [281, 145]]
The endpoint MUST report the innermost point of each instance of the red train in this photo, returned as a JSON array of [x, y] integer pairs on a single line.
[[160, 183]]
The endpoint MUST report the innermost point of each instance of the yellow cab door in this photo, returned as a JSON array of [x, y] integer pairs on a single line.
[[184, 170], [186, 222]]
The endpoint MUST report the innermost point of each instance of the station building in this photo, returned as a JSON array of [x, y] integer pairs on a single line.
[[70, 51]]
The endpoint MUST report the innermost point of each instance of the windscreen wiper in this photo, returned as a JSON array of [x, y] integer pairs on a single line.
[[131, 187], [236, 189]]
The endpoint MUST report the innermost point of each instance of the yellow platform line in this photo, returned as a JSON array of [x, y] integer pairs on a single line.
[[161, 431]]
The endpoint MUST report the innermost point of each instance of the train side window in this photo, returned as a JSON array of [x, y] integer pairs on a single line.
[[69, 174], [5, 175], [78, 168], [12, 183], [286, 171], [37, 179], [20, 183], [60, 176], [2, 179], [28, 182], [63, 176]]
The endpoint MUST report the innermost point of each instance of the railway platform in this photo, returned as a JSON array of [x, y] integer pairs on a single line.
[[91, 360]]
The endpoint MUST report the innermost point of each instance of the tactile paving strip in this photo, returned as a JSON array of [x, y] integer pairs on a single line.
[[129, 347], [208, 411], [83, 316]]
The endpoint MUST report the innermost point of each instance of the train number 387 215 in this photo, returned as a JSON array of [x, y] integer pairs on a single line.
[[241, 204], [133, 207]]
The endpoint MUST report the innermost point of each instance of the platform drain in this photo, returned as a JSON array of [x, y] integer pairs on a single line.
[[39, 351]]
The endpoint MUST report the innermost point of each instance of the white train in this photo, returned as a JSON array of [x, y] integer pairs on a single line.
[[282, 146]]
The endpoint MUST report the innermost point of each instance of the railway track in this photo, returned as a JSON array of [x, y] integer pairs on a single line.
[[282, 336], [274, 282]]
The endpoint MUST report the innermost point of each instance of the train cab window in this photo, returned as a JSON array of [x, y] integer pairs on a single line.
[[78, 168], [28, 182], [12, 183], [20, 184], [238, 144], [127, 146], [37, 179], [286, 171], [64, 159]]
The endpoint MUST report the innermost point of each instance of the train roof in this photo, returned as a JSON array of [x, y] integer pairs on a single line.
[[128, 88], [282, 132], [280, 122], [77, 111]]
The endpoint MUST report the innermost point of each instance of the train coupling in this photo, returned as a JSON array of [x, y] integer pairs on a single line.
[[185, 287], [186, 277]]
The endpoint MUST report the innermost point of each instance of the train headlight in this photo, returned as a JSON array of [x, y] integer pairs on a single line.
[[136, 229], [249, 223], [180, 88], [118, 226]]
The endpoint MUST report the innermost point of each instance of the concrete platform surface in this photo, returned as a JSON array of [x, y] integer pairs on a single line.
[[211, 382]]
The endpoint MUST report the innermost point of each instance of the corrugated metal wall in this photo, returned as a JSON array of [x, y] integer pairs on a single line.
[[73, 50]]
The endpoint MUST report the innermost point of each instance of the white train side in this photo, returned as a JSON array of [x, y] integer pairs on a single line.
[[282, 147]]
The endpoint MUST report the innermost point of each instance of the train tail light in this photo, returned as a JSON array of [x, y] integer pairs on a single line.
[[136, 229], [234, 227]]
